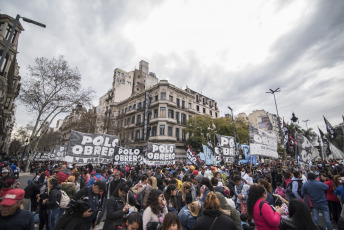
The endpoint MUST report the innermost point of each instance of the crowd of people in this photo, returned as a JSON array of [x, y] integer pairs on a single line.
[[273, 195]]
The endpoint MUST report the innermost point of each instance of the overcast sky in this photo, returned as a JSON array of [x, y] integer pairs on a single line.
[[231, 51]]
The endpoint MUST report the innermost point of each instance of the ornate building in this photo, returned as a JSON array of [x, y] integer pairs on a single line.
[[9, 80]]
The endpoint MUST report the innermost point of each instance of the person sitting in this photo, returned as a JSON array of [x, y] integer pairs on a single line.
[[299, 218], [213, 216]]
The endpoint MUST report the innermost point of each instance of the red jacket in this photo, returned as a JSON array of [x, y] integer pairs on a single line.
[[330, 192], [269, 220]]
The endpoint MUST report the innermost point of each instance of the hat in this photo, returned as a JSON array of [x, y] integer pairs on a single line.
[[195, 172], [4, 170], [192, 167], [12, 196], [71, 179], [199, 178]]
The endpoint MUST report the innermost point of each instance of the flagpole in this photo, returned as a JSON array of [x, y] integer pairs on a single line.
[[214, 151]]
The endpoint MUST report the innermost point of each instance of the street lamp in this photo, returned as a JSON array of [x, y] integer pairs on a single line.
[[9, 39], [234, 128], [306, 123], [278, 118]]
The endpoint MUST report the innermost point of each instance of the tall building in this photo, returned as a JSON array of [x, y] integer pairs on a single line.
[[9, 80], [154, 112]]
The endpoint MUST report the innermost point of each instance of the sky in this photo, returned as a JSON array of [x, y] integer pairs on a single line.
[[231, 51]]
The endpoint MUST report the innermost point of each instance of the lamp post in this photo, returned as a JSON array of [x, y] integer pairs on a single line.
[[9, 39], [306, 123], [233, 128], [278, 118], [294, 119]]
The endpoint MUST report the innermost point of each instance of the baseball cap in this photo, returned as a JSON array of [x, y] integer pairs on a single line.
[[12, 196]]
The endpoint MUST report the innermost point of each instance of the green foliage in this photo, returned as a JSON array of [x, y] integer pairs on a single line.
[[195, 142]]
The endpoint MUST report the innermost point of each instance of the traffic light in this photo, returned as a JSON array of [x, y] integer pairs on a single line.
[[29, 153]]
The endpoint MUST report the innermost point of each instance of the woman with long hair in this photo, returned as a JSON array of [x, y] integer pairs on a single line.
[[184, 196], [205, 188], [171, 198], [171, 222], [299, 218], [134, 221], [213, 216], [116, 207], [268, 188], [156, 210], [264, 216]]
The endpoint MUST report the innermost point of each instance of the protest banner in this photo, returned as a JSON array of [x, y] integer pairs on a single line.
[[127, 155], [208, 155], [160, 154], [60, 152], [84, 148], [225, 148], [192, 157], [262, 143], [43, 156], [305, 149]]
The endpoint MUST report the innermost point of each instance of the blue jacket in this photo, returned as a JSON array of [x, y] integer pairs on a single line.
[[316, 191], [186, 219], [92, 180], [340, 191]]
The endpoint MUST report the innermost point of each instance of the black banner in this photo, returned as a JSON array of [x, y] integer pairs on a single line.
[[87, 148], [192, 157], [225, 149], [330, 129], [128, 155], [160, 154]]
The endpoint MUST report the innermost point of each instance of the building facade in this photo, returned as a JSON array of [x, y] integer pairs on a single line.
[[9, 80], [154, 112]]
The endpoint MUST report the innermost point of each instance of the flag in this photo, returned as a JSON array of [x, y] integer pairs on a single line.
[[326, 143], [306, 150], [208, 155], [192, 157], [330, 129], [336, 153]]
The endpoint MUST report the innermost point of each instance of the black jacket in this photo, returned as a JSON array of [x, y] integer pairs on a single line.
[[207, 219], [20, 220], [114, 213], [289, 224], [54, 197]]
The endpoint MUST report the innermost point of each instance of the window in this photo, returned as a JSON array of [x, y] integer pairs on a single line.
[[139, 106], [183, 135], [177, 134], [129, 83], [163, 96], [137, 137], [203, 110], [133, 120], [162, 112], [129, 108], [7, 103], [153, 131], [134, 106], [183, 104], [171, 98], [177, 117], [203, 101], [162, 130], [189, 105], [156, 98], [3, 66], [1, 26], [8, 31], [170, 131], [215, 114], [170, 113], [123, 81], [183, 119], [155, 113], [150, 100], [149, 117], [125, 110], [114, 113], [178, 102], [197, 107], [138, 121]]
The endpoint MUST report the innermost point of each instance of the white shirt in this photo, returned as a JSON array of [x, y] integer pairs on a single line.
[[304, 179], [248, 179]]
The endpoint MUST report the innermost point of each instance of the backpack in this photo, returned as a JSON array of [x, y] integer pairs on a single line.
[[289, 189], [64, 199], [96, 179], [261, 206]]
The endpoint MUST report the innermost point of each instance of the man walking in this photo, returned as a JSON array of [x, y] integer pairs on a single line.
[[316, 191]]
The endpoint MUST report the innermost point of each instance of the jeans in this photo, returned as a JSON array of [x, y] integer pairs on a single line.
[[325, 213], [53, 217]]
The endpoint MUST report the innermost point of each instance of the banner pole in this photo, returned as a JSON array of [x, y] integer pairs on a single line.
[[214, 151]]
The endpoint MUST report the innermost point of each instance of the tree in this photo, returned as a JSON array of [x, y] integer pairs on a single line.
[[14, 146], [52, 87], [195, 142]]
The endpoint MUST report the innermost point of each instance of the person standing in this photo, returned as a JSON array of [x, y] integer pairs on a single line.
[[11, 216], [316, 192]]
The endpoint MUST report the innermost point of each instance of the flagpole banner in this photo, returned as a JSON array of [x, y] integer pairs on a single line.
[[60, 152], [128, 155], [208, 155], [262, 143], [225, 148], [160, 154], [305, 149], [192, 157], [330, 129], [335, 152], [326, 145], [84, 148]]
